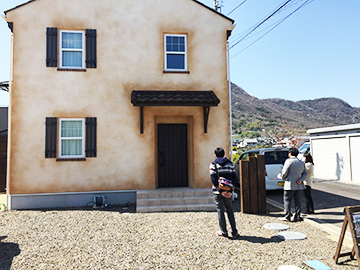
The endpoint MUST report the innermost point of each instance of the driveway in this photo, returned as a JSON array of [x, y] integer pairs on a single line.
[[330, 198]]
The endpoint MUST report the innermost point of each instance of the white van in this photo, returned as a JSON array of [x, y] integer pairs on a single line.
[[274, 162]]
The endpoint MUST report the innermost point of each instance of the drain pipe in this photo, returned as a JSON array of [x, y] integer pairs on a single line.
[[230, 107], [7, 187]]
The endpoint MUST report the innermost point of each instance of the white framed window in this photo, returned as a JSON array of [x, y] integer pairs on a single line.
[[175, 50], [72, 138], [72, 49]]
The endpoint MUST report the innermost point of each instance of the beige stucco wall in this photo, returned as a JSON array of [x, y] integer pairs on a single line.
[[129, 56]]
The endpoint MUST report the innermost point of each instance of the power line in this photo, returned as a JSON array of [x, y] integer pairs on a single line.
[[279, 22], [239, 36], [236, 7], [257, 26]]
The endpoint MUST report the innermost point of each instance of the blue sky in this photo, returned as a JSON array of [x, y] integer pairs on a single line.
[[314, 53]]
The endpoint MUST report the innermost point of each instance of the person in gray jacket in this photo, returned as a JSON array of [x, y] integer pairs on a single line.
[[294, 173]]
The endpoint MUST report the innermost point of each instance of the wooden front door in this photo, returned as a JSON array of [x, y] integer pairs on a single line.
[[172, 155]]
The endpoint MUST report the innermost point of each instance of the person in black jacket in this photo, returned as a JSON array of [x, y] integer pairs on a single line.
[[223, 167]]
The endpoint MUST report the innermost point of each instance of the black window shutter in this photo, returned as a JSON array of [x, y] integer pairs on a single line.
[[90, 142], [51, 46], [50, 137], [91, 48]]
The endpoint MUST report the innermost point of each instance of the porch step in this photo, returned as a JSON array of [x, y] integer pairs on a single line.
[[174, 200]]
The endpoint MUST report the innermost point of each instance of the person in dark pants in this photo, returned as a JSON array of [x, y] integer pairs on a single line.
[[294, 173], [309, 165], [223, 167]]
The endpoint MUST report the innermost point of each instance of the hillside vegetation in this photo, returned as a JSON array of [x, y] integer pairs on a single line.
[[253, 117]]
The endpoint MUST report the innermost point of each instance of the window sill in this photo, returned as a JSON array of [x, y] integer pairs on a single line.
[[71, 159], [72, 69], [177, 72]]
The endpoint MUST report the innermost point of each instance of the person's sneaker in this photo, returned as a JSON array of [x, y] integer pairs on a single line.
[[284, 219], [236, 235], [298, 219], [219, 233]]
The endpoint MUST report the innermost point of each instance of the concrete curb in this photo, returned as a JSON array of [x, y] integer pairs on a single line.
[[332, 230]]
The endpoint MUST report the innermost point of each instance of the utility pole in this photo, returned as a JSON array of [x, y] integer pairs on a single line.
[[217, 5]]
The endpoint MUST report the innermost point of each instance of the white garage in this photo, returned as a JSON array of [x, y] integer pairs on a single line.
[[336, 152]]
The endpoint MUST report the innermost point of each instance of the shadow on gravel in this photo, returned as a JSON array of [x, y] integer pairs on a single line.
[[8, 251], [347, 262], [259, 240]]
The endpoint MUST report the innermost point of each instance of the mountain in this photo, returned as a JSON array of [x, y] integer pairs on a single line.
[[251, 113]]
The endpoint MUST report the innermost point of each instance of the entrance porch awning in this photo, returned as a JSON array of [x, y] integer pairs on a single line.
[[205, 99]]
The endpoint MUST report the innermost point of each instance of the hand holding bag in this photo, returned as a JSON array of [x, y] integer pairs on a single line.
[[225, 185]]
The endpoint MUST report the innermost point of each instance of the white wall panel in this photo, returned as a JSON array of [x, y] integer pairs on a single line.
[[331, 158], [355, 158]]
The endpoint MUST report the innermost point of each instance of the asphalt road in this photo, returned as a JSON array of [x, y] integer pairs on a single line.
[[330, 198]]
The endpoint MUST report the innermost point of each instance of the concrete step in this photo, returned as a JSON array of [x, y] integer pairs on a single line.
[[174, 192], [175, 208], [174, 199]]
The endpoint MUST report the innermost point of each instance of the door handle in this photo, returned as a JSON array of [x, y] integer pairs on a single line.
[[161, 157]]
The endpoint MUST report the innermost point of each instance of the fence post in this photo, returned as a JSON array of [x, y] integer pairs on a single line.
[[252, 185], [244, 186], [261, 183], [254, 205]]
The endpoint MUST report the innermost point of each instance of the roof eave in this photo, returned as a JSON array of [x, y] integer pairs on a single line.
[[213, 10], [11, 9], [196, 1], [334, 129]]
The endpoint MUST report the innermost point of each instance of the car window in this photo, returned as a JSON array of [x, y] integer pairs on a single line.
[[275, 157], [304, 148]]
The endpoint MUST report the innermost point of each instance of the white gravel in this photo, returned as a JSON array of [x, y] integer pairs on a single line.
[[111, 239]]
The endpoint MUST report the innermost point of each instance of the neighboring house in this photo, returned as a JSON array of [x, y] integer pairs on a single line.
[[4, 86], [3, 146], [110, 97], [247, 142], [336, 152]]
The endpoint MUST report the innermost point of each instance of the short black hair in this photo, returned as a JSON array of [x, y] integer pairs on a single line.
[[219, 152], [293, 151]]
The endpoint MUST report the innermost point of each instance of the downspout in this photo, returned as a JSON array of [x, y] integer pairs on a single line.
[[229, 89], [8, 206], [230, 107]]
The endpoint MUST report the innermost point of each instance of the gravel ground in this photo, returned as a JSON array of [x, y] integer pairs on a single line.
[[121, 239]]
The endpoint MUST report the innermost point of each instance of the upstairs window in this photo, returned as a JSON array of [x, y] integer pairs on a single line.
[[70, 49], [72, 52], [175, 52], [72, 138]]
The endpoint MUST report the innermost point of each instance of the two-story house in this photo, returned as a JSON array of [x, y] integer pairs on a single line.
[[110, 97]]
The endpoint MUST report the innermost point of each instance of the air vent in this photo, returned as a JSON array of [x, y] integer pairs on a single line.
[[99, 201]]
